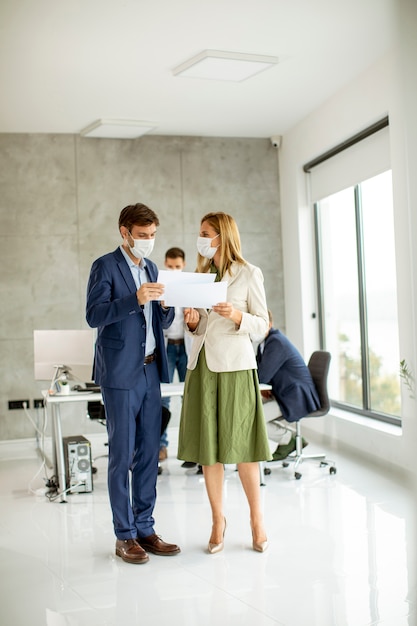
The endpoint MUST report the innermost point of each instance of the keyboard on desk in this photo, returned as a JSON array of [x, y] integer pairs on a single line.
[[89, 389]]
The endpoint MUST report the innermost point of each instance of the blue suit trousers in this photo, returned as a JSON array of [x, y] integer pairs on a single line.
[[133, 420]]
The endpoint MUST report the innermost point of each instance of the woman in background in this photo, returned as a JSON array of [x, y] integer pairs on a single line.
[[222, 418]]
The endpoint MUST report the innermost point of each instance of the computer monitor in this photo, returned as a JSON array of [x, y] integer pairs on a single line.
[[73, 350]]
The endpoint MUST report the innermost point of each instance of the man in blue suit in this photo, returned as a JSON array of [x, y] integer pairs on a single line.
[[123, 303], [281, 365]]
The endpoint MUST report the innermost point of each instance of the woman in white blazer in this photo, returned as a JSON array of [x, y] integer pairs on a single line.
[[222, 418]]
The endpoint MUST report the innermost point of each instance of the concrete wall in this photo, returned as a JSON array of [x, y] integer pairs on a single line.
[[59, 205]]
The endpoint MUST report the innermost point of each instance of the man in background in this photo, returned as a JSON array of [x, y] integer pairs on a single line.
[[293, 393], [176, 343]]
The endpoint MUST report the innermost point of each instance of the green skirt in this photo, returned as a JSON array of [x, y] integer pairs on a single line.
[[222, 419]]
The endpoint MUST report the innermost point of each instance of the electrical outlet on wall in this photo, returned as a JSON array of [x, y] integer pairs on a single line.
[[38, 403], [18, 404]]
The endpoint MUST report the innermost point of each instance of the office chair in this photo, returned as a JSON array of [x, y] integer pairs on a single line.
[[318, 365]]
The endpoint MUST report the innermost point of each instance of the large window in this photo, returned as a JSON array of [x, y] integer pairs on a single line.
[[352, 197], [358, 293]]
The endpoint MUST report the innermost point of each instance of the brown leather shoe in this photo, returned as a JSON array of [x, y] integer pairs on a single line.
[[154, 544], [130, 551]]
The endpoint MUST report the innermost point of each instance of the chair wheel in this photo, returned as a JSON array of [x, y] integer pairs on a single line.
[[267, 471], [297, 475], [332, 470], [285, 464], [93, 470]]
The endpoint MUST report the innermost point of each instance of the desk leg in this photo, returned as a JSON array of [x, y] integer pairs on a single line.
[[58, 448], [54, 461]]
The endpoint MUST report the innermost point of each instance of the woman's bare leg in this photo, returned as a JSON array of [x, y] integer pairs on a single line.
[[249, 477], [214, 479]]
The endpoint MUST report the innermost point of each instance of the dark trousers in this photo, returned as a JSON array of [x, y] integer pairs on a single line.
[[133, 419]]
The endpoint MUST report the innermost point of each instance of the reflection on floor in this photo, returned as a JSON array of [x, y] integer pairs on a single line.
[[342, 551]]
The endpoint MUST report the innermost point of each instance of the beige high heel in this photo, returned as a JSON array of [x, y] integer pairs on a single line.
[[260, 546], [213, 548]]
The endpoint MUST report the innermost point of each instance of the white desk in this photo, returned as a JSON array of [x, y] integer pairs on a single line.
[[58, 459]]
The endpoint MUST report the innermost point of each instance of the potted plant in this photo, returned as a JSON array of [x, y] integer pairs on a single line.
[[63, 387]]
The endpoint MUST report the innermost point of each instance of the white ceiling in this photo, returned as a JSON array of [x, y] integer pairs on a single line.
[[66, 63]]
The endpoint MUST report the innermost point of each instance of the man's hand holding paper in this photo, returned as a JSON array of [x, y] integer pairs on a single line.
[[191, 289]]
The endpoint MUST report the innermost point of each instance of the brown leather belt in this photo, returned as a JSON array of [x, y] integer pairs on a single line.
[[175, 342], [149, 359]]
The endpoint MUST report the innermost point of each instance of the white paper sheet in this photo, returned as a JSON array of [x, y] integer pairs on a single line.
[[191, 289], [166, 277]]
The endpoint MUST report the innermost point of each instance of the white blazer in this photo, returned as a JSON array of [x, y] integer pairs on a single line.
[[227, 347]]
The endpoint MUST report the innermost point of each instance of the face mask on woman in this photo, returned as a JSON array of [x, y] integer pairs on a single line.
[[204, 247]]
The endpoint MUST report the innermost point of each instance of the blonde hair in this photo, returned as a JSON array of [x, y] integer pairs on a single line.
[[230, 252]]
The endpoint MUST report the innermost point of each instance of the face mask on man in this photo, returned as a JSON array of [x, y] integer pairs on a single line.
[[204, 247], [141, 247]]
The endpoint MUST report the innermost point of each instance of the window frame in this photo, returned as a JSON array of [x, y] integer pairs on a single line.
[[365, 411]]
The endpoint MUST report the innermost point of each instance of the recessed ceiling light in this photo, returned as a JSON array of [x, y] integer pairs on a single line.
[[220, 65], [117, 129]]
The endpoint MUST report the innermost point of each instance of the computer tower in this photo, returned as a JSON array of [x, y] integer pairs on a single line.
[[78, 464]]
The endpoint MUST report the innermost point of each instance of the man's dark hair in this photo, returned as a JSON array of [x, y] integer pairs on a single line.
[[174, 253], [137, 214]]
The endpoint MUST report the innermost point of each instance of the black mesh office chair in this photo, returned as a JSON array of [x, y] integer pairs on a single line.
[[318, 365]]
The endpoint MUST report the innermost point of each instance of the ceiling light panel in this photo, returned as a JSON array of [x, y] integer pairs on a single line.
[[117, 129], [221, 65]]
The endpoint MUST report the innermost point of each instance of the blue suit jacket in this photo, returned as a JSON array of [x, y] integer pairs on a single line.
[[113, 308], [282, 366]]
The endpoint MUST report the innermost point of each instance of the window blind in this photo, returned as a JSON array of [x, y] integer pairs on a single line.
[[362, 160]]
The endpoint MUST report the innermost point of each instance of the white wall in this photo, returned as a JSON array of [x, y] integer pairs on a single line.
[[389, 87]]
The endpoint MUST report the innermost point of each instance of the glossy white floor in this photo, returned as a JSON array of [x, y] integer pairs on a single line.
[[342, 551]]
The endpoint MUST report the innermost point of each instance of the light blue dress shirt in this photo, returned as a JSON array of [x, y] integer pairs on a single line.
[[140, 276]]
